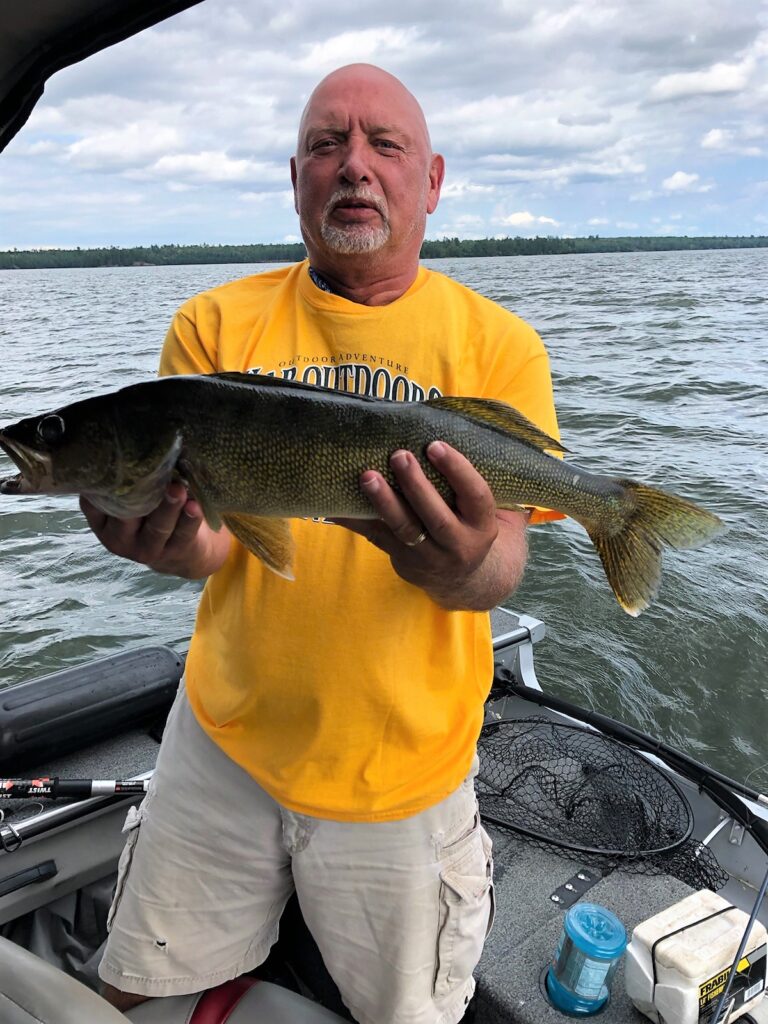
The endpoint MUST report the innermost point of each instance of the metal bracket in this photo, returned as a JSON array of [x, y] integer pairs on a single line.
[[737, 834], [575, 887]]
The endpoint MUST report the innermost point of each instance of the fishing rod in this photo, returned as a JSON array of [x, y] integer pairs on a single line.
[[733, 970], [51, 788]]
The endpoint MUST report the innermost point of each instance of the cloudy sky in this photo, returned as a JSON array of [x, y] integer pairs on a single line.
[[556, 117]]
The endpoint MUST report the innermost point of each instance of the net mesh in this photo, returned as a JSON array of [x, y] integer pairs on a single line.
[[567, 788]]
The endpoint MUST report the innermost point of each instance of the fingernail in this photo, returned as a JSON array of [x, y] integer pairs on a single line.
[[371, 484], [399, 460], [437, 448]]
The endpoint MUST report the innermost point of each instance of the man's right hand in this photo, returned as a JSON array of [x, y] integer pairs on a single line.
[[173, 539]]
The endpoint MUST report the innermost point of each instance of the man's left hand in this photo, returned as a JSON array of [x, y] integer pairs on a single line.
[[468, 556]]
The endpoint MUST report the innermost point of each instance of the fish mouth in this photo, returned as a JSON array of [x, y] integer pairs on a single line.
[[36, 468]]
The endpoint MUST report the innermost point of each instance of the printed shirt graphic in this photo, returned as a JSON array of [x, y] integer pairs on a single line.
[[348, 693]]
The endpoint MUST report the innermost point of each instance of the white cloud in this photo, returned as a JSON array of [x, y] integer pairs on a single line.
[[285, 198], [588, 119], [216, 166], [373, 45], [721, 78], [598, 221], [124, 147], [726, 140], [524, 218], [462, 189], [466, 225], [682, 182], [553, 170], [716, 138]]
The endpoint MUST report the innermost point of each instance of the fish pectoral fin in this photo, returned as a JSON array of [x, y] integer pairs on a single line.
[[196, 486], [269, 539], [499, 416], [135, 498]]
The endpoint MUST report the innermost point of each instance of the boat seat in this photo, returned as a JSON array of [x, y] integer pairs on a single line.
[[242, 1001], [32, 991]]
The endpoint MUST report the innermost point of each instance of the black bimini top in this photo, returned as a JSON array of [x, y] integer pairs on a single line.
[[40, 37]]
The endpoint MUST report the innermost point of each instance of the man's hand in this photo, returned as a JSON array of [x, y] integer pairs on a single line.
[[173, 539], [471, 557]]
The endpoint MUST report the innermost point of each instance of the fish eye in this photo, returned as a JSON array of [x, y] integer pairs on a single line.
[[50, 429]]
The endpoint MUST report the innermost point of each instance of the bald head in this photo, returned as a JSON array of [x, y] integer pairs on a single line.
[[380, 88]]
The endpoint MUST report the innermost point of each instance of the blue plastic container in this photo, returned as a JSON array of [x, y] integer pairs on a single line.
[[591, 944]]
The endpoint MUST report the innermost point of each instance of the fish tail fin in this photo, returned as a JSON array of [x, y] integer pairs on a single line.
[[631, 556]]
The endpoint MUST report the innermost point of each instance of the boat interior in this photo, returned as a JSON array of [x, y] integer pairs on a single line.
[[58, 863]]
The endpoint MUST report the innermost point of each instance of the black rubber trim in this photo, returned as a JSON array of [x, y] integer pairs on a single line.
[[30, 876], [111, 23]]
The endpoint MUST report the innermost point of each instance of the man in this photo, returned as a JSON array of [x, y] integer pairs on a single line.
[[325, 736]]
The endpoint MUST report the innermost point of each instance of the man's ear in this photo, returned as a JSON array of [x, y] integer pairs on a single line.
[[293, 183], [436, 175]]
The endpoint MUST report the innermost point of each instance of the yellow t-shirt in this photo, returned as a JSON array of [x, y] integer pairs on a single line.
[[348, 693]]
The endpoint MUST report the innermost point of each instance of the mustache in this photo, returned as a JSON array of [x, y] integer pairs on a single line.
[[363, 195]]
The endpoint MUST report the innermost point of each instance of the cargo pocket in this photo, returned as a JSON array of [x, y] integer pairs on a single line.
[[131, 826], [467, 908]]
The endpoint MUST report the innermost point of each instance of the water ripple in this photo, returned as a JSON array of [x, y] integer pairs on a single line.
[[660, 369]]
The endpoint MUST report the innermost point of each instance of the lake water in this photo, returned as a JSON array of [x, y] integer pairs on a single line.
[[660, 365]]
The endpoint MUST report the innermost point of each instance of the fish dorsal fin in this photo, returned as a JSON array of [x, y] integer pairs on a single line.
[[486, 411], [269, 539], [499, 416], [265, 380]]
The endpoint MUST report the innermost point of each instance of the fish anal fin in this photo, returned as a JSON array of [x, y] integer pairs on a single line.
[[269, 539], [499, 416]]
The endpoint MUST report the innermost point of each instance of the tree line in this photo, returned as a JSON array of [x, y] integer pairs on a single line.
[[289, 252]]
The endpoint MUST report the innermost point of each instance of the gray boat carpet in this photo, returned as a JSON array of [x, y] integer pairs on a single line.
[[528, 925]]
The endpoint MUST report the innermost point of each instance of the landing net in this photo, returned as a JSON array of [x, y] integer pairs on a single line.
[[567, 788]]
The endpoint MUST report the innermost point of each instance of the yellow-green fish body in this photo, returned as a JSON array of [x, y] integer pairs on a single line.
[[256, 451]]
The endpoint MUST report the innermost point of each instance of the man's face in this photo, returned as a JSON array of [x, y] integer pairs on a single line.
[[364, 176]]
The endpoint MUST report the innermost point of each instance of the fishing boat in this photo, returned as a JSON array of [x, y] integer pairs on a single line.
[[58, 857], [583, 811]]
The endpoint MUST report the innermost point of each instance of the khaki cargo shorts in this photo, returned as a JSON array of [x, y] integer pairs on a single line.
[[399, 909]]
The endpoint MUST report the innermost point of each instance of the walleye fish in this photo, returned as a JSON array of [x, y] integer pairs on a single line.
[[255, 451]]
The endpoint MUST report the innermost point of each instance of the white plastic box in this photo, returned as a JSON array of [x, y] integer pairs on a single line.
[[691, 966]]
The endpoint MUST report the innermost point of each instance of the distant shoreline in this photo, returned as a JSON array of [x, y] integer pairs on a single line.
[[179, 255]]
